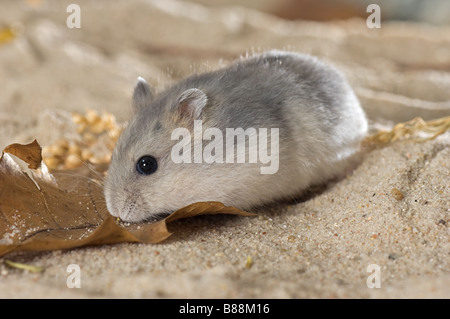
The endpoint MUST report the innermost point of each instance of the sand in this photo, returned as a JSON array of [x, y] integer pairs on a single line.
[[320, 247]]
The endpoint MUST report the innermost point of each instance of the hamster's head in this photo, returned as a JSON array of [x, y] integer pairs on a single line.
[[143, 180]]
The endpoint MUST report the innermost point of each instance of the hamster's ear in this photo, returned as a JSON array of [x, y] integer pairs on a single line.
[[142, 94], [191, 103]]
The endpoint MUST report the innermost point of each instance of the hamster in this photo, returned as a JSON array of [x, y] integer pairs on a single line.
[[294, 122]]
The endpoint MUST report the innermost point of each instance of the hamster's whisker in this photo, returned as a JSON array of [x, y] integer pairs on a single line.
[[157, 217]]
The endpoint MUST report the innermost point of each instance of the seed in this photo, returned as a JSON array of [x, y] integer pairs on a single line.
[[98, 127], [63, 144], [397, 194], [86, 154], [92, 117], [74, 149], [109, 119], [78, 118], [248, 262], [52, 162], [100, 159], [81, 127], [114, 132], [73, 161], [55, 150]]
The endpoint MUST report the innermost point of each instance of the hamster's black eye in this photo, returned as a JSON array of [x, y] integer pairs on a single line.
[[146, 165]]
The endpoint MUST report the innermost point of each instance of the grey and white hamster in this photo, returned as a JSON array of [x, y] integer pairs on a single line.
[[308, 112]]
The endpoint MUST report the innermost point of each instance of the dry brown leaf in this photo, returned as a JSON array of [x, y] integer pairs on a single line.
[[29, 153], [73, 214]]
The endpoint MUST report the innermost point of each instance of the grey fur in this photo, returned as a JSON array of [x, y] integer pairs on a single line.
[[320, 124], [142, 94]]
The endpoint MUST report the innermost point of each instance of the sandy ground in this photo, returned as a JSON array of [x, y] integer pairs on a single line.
[[320, 247]]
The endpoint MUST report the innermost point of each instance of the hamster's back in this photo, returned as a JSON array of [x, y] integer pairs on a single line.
[[318, 115], [259, 91]]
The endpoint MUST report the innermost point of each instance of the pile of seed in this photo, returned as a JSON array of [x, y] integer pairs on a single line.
[[97, 135]]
